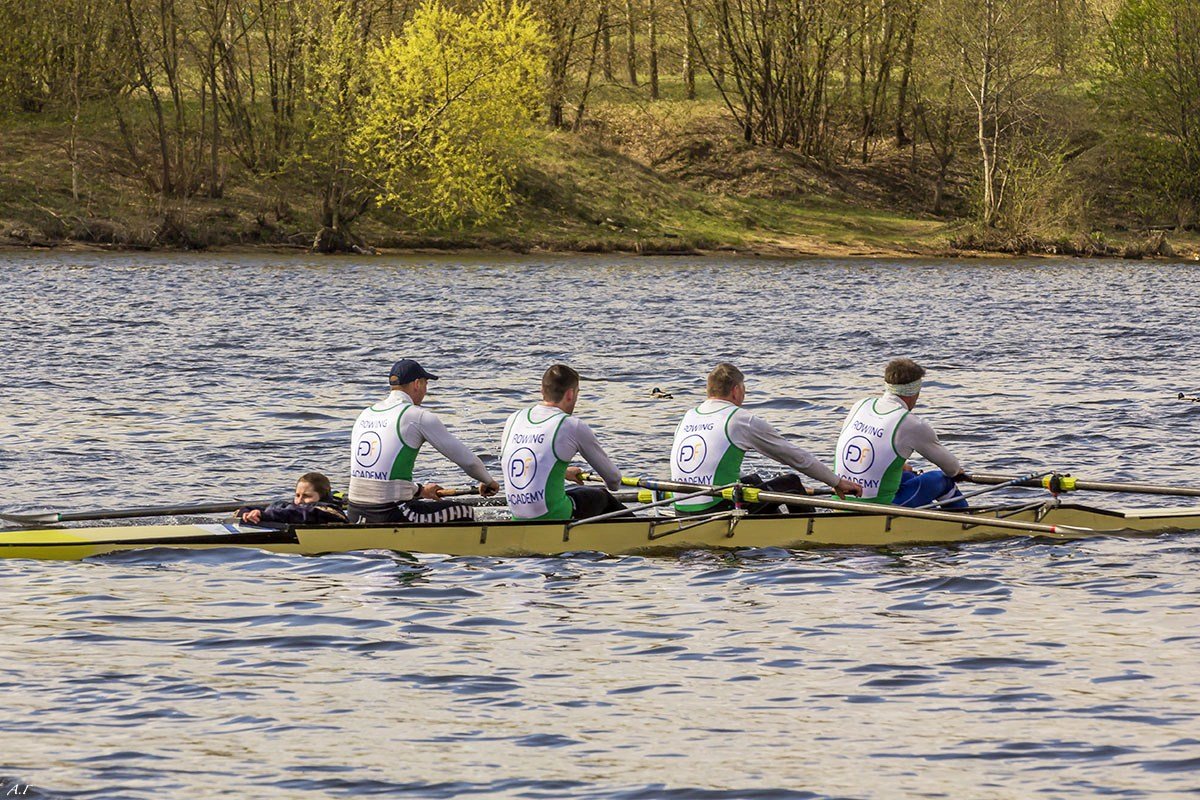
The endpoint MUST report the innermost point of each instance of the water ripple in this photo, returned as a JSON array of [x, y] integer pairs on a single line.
[[1014, 668]]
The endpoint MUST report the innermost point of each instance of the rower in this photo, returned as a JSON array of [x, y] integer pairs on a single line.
[[536, 450], [387, 437], [881, 433], [713, 439]]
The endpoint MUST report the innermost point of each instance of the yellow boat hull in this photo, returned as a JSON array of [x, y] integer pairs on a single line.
[[638, 536]]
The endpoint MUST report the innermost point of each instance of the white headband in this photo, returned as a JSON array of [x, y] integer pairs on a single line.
[[904, 389]]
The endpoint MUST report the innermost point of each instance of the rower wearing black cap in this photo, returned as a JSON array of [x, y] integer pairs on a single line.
[[387, 438]]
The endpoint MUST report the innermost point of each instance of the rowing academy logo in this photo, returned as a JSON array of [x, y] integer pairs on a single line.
[[859, 455], [368, 449], [692, 452], [521, 468]]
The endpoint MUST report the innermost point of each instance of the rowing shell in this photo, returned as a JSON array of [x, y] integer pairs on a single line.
[[641, 535]]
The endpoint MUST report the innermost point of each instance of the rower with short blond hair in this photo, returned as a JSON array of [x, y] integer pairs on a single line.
[[713, 438], [881, 433]]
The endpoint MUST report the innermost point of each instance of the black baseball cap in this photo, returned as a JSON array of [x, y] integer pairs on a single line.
[[406, 370]]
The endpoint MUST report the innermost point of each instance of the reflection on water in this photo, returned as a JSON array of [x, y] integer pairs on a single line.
[[1003, 669]]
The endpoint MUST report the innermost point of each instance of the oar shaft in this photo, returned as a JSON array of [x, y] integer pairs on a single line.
[[757, 496], [625, 512], [50, 517], [1069, 483]]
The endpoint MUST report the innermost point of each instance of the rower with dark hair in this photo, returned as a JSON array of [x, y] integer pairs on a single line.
[[881, 433], [387, 437], [713, 439], [536, 451], [314, 503]]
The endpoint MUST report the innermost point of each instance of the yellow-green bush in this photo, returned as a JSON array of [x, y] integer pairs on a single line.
[[452, 101]]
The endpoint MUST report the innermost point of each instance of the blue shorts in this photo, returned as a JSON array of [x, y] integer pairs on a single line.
[[928, 487]]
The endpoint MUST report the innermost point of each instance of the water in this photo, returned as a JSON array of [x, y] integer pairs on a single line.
[[1008, 669]]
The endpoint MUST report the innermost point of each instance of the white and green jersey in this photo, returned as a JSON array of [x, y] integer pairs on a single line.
[[538, 445], [387, 437], [867, 453], [381, 462], [533, 471], [704, 452]]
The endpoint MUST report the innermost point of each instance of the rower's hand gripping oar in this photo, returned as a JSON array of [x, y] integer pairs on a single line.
[[51, 517], [1058, 483]]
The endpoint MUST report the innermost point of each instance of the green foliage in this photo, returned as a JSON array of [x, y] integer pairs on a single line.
[[334, 70], [1152, 77], [1041, 197], [58, 52], [452, 102]]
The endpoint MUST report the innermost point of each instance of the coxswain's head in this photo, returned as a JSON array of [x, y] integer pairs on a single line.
[[560, 387], [726, 382], [411, 378], [902, 377], [312, 488]]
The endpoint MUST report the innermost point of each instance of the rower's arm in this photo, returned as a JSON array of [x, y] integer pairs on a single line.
[[917, 435], [593, 454], [755, 433], [446, 443]]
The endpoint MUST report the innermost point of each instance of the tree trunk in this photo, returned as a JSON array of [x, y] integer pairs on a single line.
[[905, 75], [689, 53], [166, 185], [631, 42], [983, 105], [652, 14], [591, 70], [606, 41]]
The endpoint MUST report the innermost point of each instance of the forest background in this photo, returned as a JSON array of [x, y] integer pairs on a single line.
[[822, 126]]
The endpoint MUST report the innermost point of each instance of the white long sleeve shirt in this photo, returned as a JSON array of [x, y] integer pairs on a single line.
[[576, 438], [417, 426], [915, 435], [754, 433]]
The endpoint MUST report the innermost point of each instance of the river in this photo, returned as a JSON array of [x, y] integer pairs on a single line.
[[1008, 669]]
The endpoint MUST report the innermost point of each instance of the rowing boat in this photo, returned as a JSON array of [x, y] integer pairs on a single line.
[[641, 535]]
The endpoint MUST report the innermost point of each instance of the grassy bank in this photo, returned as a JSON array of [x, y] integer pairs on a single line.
[[666, 177]]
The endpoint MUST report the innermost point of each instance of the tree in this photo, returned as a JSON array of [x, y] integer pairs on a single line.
[[999, 50], [334, 79], [453, 100], [1152, 72], [773, 62]]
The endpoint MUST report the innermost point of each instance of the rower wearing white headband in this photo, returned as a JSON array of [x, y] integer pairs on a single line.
[[879, 436]]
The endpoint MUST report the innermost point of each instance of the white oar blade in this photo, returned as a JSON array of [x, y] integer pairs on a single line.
[[44, 518]]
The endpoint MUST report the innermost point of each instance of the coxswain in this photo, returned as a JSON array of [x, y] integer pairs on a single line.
[[714, 437], [387, 437], [314, 503], [881, 433], [536, 451]]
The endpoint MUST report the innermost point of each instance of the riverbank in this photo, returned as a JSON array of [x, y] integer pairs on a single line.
[[685, 184]]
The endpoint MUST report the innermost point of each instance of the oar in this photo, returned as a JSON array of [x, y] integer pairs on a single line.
[[752, 495], [1018, 481], [594, 478], [50, 517], [624, 512], [471, 496], [1066, 483]]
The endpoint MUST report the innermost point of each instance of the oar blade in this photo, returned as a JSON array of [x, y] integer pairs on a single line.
[[45, 518]]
